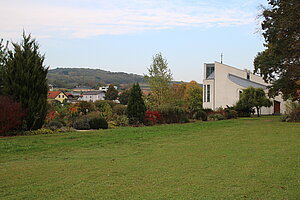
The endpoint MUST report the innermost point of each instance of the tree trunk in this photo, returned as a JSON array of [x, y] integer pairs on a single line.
[[257, 108]]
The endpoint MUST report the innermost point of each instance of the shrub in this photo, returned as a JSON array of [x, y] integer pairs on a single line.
[[216, 116], [152, 117], [99, 103], [53, 125], [200, 114], [121, 120], [172, 114], [119, 109], [81, 124], [97, 123], [11, 114], [85, 107], [42, 131], [105, 109], [65, 129], [207, 110], [293, 111], [230, 114]]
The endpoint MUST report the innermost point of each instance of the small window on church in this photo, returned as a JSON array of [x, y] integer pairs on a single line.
[[248, 75]]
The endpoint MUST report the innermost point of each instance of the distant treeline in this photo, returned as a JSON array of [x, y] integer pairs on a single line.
[[71, 77]]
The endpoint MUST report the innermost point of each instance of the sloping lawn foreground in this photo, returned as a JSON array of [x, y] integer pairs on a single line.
[[235, 159]]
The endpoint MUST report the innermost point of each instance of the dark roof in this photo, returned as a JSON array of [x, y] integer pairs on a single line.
[[92, 92]]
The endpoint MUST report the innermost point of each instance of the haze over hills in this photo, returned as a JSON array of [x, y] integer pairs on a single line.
[[72, 77]]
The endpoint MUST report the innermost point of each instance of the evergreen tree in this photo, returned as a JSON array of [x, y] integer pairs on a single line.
[[25, 80], [124, 97], [111, 94], [136, 107], [3, 59]]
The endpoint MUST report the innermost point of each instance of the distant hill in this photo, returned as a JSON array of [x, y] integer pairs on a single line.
[[71, 77]]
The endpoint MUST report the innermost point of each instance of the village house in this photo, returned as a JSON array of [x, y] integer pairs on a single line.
[[223, 84], [92, 96], [57, 95]]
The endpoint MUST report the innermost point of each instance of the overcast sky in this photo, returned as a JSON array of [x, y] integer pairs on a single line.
[[123, 35]]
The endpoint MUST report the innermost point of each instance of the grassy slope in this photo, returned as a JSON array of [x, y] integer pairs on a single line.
[[234, 159]]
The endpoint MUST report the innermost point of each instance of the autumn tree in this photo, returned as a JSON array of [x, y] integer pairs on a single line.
[[25, 80], [193, 96], [279, 63], [159, 79]]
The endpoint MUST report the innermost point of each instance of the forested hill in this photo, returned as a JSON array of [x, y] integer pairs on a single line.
[[71, 77]]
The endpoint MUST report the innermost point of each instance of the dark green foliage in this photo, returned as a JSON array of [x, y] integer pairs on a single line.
[[200, 114], [230, 113], [97, 123], [172, 114], [81, 124], [100, 103], [120, 109], [111, 94], [207, 110], [71, 77], [53, 125], [25, 80], [253, 98], [279, 63], [124, 97], [3, 60], [216, 116], [136, 107], [85, 107]]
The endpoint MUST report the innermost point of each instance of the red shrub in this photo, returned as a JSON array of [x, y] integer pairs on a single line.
[[152, 116], [11, 114]]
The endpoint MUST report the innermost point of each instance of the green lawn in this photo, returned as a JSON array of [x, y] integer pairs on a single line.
[[234, 159]]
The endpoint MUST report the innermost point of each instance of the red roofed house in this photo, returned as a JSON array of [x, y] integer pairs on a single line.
[[57, 95]]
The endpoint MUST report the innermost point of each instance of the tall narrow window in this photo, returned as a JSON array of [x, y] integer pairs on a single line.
[[204, 95], [208, 93]]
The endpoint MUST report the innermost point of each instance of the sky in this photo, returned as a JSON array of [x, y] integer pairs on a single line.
[[124, 35]]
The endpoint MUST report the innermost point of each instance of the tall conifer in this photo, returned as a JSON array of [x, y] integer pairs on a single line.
[[136, 107], [25, 80]]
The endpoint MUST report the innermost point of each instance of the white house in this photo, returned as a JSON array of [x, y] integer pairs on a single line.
[[223, 84], [105, 88], [92, 96]]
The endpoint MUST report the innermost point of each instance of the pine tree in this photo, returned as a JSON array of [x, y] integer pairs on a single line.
[[136, 107], [111, 94], [25, 80]]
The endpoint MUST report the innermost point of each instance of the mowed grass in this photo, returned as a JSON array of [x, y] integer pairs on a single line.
[[255, 158]]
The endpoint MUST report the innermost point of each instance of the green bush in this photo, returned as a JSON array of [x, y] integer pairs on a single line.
[[65, 129], [216, 117], [200, 114], [293, 111], [119, 109], [53, 125], [41, 131], [81, 124], [121, 120], [207, 110], [230, 114], [97, 123], [172, 114]]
